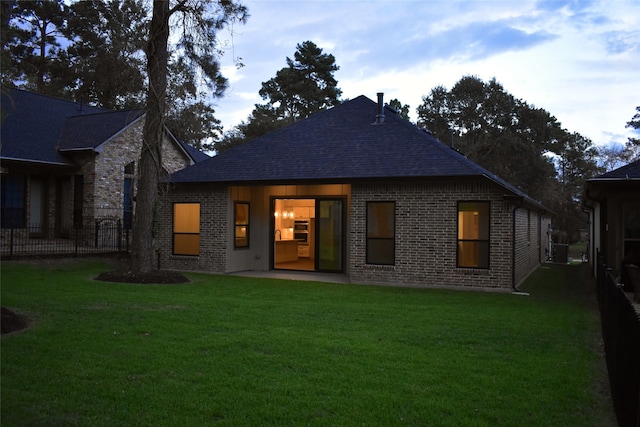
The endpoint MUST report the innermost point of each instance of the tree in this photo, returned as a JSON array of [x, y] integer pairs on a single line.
[[633, 145], [200, 20], [189, 116], [102, 62], [612, 156], [29, 41], [486, 123], [403, 110], [577, 163], [434, 113], [105, 58], [305, 86], [522, 144]]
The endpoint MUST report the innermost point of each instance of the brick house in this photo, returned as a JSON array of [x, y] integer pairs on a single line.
[[354, 190], [613, 202], [66, 165]]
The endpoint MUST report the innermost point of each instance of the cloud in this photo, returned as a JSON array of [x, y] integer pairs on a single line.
[[577, 59]]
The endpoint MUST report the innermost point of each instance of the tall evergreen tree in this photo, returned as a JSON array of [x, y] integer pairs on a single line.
[[305, 86], [30, 43], [106, 55]]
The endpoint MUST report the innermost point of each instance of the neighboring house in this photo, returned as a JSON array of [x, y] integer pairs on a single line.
[[355, 190], [66, 165], [613, 201]]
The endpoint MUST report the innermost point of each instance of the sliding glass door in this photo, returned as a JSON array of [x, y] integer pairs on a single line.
[[330, 234]]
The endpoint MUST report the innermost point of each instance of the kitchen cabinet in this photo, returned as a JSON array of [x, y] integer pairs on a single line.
[[286, 251], [301, 212], [303, 251]]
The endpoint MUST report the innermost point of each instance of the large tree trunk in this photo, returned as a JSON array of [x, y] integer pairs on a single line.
[[142, 247]]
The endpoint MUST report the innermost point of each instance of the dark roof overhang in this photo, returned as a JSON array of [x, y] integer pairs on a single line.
[[596, 189]]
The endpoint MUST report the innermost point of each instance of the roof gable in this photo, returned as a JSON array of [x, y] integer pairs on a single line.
[[32, 123], [89, 131], [342, 143], [38, 128]]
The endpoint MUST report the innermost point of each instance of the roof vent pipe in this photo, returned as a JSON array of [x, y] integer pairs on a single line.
[[380, 115]]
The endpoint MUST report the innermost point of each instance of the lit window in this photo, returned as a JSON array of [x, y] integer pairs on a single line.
[[186, 229], [381, 225], [473, 234], [241, 225]]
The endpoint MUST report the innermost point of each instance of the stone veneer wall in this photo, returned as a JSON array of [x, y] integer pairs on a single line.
[[106, 180], [214, 208], [426, 235]]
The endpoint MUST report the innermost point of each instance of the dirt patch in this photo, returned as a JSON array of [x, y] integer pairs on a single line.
[[12, 321], [161, 277]]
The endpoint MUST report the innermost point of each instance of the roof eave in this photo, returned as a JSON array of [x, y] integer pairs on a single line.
[[42, 162]]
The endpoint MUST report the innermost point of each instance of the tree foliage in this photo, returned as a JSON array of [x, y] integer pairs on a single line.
[[403, 110], [30, 46], [492, 128], [106, 56], [522, 144], [633, 144], [305, 86], [196, 22], [102, 60]]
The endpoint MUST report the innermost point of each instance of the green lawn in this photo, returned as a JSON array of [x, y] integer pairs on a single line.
[[234, 351]]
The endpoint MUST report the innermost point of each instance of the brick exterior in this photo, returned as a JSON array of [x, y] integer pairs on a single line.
[[103, 181], [214, 207], [426, 233], [107, 169]]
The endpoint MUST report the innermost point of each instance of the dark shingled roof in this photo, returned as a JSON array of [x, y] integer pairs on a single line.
[[195, 154], [341, 143], [89, 131], [39, 128], [32, 124], [630, 171]]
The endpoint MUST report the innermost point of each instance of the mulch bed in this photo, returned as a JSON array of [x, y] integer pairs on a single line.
[[161, 277], [12, 321]]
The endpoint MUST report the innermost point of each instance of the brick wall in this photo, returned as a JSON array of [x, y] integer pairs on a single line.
[[426, 235], [530, 228], [214, 208], [108, 168]]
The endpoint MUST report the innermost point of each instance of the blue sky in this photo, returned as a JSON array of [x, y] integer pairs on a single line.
[[577, 59]]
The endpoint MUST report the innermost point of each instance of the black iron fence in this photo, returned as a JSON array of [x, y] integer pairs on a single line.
[[621, 334], [102, 236]]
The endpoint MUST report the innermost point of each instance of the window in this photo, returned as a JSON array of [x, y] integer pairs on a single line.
[[78, 200], [12, 202], [473, 234], [186, 229], [381, 224], [128, 191], [241, 225], [631, 230]]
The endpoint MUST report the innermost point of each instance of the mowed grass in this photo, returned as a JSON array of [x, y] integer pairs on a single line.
[[235, 351]]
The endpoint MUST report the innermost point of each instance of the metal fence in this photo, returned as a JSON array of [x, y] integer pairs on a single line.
[[102, 236], [621, 334]]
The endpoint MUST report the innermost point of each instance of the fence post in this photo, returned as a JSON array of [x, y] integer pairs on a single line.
[[11, 244], [77, 233], [119, 235]]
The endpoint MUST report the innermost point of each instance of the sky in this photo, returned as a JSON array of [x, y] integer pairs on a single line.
[[577, 59]]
